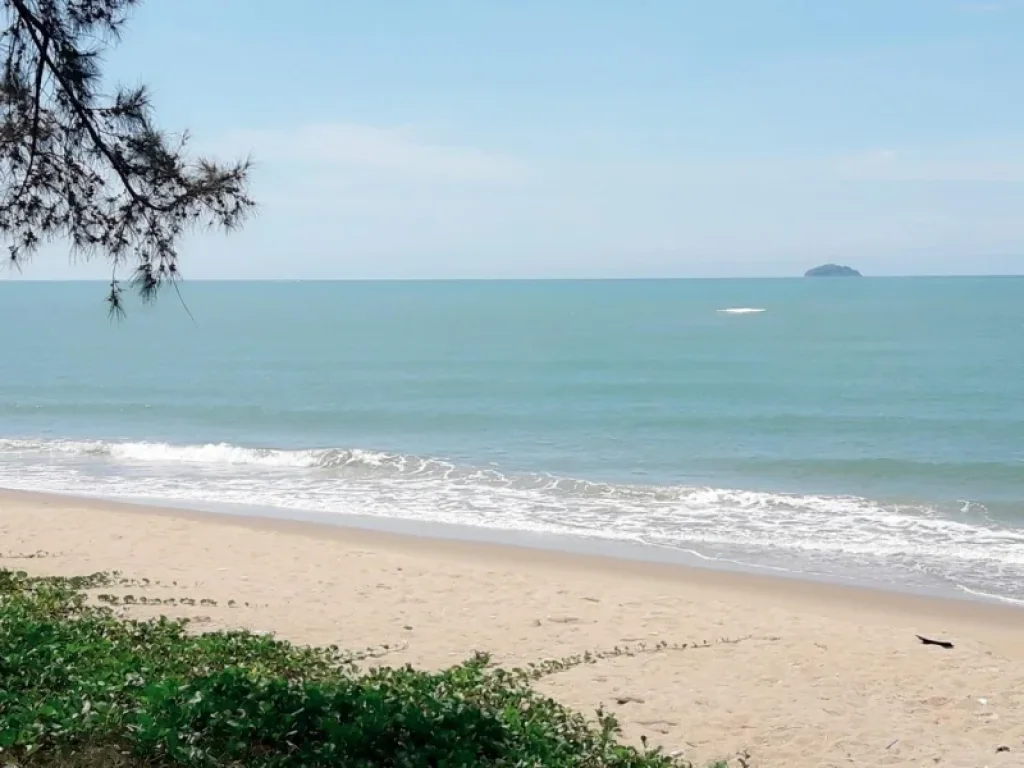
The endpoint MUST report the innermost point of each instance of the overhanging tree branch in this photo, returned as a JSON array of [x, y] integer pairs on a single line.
[[45, 61], [95, 170], [36, 96]]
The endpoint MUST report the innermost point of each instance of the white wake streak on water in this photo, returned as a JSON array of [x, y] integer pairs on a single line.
[[794, 531], [741, 310]]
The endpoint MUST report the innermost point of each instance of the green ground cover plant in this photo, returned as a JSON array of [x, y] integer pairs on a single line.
[[81, 686]]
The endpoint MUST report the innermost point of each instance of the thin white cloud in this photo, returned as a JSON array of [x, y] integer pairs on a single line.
[[397, 151], [984, 7], [992, 163], [353, 201]]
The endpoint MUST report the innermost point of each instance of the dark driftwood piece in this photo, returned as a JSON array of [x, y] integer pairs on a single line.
[[940, 643]]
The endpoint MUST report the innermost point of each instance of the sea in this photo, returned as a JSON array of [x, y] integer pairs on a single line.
[[869, 431]]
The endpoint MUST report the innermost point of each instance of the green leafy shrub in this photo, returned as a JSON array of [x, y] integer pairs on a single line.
[[81, 687]]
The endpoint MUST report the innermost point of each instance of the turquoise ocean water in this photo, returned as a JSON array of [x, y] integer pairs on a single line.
[[871, 430]]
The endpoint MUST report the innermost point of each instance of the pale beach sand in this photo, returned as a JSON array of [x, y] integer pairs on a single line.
[[812, 675]]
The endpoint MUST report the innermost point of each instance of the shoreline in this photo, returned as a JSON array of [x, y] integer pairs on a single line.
[[576, 553], [795, 672], [907, 545]]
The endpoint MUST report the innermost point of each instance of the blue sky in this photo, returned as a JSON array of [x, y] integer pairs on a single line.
[[592, 138]]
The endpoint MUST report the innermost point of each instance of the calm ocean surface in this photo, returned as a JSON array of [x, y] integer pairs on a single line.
[[871, 430]]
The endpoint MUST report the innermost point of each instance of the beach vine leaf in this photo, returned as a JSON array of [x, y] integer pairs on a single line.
[[81, 686], [91, 168]]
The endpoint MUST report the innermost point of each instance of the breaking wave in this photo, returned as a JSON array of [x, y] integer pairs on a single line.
[[960, 547]]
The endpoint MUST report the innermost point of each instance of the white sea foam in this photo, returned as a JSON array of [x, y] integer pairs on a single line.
[[741, 310], [990, 596], [209, 453], [783, 531]]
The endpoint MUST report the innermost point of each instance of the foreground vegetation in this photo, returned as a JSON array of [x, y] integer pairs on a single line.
[[82, 687]]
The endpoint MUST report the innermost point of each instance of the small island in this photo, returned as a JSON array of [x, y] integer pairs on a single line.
[[832, 270]]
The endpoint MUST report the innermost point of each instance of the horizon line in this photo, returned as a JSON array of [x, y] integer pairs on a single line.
[[186, 280]]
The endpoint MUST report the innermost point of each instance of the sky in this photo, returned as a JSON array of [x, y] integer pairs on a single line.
[[595, 138]]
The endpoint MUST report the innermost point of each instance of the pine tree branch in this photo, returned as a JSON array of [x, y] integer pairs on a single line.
[[116, 162], [37, 95], [93, 169]]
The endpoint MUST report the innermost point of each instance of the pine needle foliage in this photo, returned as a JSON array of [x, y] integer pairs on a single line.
[[93, 168]]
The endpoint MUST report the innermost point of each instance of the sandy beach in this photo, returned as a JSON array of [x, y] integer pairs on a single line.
[[796, 673]]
